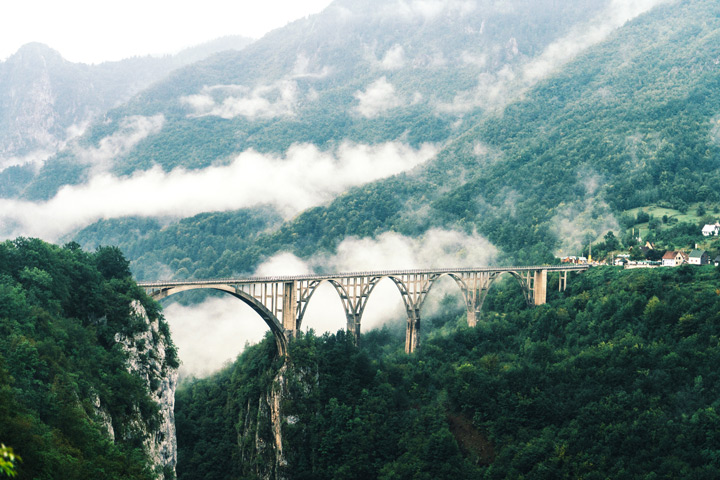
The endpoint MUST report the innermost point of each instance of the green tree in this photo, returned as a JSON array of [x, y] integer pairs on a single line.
[[8, 461]]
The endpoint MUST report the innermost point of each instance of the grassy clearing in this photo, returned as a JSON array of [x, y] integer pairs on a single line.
[[690, 215]]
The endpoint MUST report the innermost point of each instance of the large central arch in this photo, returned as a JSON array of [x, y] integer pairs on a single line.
[[268, 317]]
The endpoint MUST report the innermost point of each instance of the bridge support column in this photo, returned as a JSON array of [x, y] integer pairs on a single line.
[[475, 288], [540, 287], [289, 309], [412, 333], [353, 326], [562, 281]]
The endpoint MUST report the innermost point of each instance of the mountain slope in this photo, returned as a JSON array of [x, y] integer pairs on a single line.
[[629, 122], [366, 72], [46, 100]]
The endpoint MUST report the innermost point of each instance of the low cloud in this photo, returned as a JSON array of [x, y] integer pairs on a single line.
[[212, 334], [563, 50], [587, 221], [52, 146], [302, 178], [131, 131], [379, 97], [495, 90], [394, 58], [227, 323], [35, 158], [230, 101], [302, 69]]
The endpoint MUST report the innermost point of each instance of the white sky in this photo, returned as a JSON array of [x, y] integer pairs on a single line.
[[93, 31]]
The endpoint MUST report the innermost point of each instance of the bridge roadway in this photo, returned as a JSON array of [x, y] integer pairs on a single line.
[[281, 301]]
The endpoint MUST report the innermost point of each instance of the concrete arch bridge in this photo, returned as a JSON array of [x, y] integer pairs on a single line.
[[282, 301]]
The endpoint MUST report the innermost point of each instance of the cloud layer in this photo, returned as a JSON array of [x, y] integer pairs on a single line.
[[303, 177], [230, 101], [379, 97]]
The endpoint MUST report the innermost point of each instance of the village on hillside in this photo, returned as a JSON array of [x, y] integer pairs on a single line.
[[649, 256]]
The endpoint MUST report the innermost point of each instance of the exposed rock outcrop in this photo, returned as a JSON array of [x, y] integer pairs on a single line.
[[147, 358]]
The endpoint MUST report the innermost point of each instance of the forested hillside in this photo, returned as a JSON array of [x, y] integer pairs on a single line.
[[614, 378], [69, 407], [360, 72], [628, 124]]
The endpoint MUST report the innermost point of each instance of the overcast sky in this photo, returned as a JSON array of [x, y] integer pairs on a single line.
[[93, 31]]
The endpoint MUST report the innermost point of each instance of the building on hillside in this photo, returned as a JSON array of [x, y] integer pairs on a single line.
[[674, 258], [668, 260], [711, 229], [573, 259], [717, 261], [698, 257], [681, 257]]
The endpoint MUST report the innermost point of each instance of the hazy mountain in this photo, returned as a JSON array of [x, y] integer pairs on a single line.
[[366, 72], [45, 100]]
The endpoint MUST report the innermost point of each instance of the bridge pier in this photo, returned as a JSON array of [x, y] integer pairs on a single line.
[[475, 287], [412, 332], [540, 287], [289, 309], [353, 326]]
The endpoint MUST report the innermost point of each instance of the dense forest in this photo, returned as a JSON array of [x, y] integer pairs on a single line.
[[614, 378], [64, 382]]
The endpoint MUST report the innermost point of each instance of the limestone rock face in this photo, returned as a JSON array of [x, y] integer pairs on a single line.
[[147, 358]]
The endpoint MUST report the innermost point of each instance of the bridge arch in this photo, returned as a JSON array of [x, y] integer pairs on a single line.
[[353, 293], [281, 339], [523, 280]]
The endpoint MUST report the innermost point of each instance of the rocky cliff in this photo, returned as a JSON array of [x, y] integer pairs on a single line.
[[147, 358]]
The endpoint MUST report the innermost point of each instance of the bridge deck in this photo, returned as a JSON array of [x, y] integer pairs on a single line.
[[379, 273]]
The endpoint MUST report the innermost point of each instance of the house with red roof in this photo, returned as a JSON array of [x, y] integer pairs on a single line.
[[674, 258]]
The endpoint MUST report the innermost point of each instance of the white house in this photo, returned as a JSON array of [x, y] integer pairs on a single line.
[[698, 257], [668, 260], [711, 229], [673, 259]]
